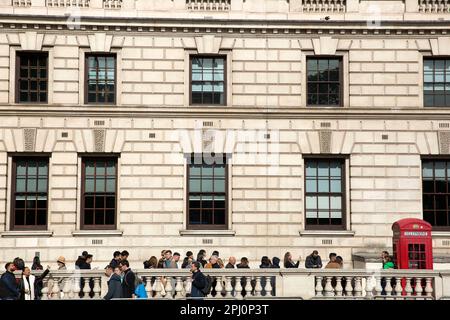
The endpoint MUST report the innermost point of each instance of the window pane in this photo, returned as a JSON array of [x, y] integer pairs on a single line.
[[110, 185], [194, 185], [219, 185], [89, 187], [324, 202], [20, 185], [439, 170], [311, 185], [100, 185], [324, 185], [336, 185], [427, 171], [311, 203], [31, 185], [336, 202]]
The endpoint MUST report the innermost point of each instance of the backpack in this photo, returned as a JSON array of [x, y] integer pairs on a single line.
[[207, 289]]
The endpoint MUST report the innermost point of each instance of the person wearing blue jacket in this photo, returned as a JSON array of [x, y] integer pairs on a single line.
[[9, 289], [140, 290]]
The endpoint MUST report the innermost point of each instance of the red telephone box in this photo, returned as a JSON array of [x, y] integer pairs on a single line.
[[412, 244]]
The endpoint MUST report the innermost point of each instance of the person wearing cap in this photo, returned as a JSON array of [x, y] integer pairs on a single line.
[[114, 283], [61, 261]]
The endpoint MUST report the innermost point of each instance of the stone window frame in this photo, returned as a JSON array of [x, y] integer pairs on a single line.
[[82, 79], [444, 229], [86, 82], [226, 193], [428, 56], [228, 56], [13, 50], [228, 211], [40, 55], [79, 229], [345, 86], [346, 230], [9, 199]]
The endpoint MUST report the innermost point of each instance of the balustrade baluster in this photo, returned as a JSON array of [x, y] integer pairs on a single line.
[[157, 287], [248, 287], [348, 286], [97, 289], [378, 287], [228, 287], [55, 295], [368, 289], [148, 286], [258, 287], [169, 288], [408, 288], [319, 287], [329, 291], [418, 289], [429, 287], [179, 288], [86, 288], [398, 287], [67, 292], [268, 286], [388, 287], [358, 287], [238, 288]]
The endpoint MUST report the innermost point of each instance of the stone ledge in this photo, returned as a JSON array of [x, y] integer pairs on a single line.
[[440, 234], [327, 233], [14, 234], [97, 233], [216, 233]]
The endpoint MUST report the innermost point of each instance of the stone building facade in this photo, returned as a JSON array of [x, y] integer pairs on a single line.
[[382, 126]]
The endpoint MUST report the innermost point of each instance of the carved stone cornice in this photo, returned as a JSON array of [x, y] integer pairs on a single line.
[[222, 26]]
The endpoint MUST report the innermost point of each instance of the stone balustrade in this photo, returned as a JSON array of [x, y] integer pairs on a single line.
[[112, 4], [434, 6], [68, 3], [261, 283], [323, 5], [208, 5]]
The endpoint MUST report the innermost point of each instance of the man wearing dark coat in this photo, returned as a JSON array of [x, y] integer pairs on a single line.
[[8, 284], [198, 281], [129, 278]]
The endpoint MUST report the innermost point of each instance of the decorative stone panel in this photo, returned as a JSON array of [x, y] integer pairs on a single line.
[[31, 41], [100, 42], [325, 46], [440, 46], [99, 140], [444, 142], [29, 141], [325, 141]]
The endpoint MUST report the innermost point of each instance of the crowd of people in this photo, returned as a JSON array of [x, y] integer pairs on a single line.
[[123, 282]]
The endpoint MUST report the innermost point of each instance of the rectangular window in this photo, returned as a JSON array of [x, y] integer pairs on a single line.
[[208, 80], [31, 77], [29, 193], [325, 193], [207, 192], [436, 193], [99, 181], [436, 82], [100, 79], [324, 79]]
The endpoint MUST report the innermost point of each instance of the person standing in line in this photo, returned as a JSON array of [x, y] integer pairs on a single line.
[[114, 283], [8, 284], [129, 280], [231, 263], [29, 284], [199, 281], [37, 264], [115, 260]]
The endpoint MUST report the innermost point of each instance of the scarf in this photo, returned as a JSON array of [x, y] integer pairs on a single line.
[[28, 286]]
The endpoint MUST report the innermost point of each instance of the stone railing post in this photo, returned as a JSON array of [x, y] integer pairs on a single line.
[[169, 288], [258, 287], [45, 288], [369, 293], [429, 287], [408, 288], [56, 290], [67, 288], [228, 287], [268, 286], [148, 286], [418, 289], [388, 287], [157, 287], [398, 287], [348, 286], [378, 287], [86, 288], [97, 288], [179, 288], [319, 287], [329, 291], [248, 287], [238, 288]]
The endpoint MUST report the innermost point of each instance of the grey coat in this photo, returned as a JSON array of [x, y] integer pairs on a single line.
[[114, 288]]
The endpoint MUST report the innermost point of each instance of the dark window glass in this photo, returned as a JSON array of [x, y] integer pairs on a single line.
[[207, 192], [324, 193], [208, 80], [31, 82], [324, 81], [101, 79], [30, 193], [99, 193], [436, 193], [436, 82]]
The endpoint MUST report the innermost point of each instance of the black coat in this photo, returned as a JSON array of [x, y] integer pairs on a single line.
[[38, 285], [114, 288], [312, 262], [242, 266], [229, 266], [79, 262], [198, 283], [290, 264], [128, 284], [9, 289]]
